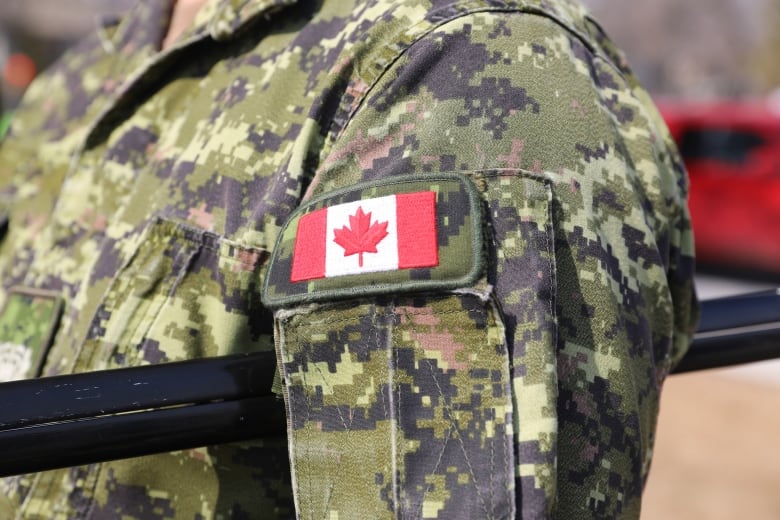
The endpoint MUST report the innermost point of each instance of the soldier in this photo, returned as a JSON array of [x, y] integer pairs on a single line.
[[461, 224]]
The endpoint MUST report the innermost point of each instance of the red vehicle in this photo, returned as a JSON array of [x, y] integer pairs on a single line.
[[732, 152]]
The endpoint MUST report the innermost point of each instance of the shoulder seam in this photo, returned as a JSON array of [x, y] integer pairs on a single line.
[[444, 15]]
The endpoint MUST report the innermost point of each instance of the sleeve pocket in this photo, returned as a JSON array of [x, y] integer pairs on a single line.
[[398, 409]]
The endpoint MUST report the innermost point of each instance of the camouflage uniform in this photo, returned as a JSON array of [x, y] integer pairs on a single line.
[[158, 195]]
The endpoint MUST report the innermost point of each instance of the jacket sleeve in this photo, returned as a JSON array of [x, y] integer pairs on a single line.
[[532, 389]]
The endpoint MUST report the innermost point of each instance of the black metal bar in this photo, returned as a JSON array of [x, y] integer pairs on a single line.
[[85, 441], [731, 349], [735, 330], [50, 399], [61, 421], [740, 311]]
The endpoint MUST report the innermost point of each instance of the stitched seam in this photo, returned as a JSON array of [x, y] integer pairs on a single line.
[[307, 434], [388, 315], [345, 423], [492, 465], [453, 425], [395, 422], [436, 467], [434, 25], [552, 285]]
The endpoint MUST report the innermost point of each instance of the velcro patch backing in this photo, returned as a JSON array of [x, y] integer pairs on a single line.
[[408, 233]]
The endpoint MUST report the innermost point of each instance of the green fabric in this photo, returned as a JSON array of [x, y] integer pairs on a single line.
[[148, 189]]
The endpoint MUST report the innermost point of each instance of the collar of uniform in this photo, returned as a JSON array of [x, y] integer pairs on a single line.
[[228, 16], [144, 26]]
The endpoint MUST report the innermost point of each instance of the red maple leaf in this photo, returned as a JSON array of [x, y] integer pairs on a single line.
[[361, 236]]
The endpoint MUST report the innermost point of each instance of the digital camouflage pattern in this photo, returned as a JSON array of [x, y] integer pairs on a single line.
[[149, 188]]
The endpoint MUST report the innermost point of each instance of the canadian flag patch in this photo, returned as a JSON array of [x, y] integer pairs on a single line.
[[380, 234]]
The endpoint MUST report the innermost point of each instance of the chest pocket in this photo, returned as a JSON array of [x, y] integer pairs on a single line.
[[183, 293]]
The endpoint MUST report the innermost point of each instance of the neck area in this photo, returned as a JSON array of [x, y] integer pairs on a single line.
[[183, 15]]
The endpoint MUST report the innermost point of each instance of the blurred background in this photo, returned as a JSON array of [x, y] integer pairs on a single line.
[[33, 33], [713, 68], [698, 48]]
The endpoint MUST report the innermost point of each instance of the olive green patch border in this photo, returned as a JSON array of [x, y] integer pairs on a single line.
[[461, 260]]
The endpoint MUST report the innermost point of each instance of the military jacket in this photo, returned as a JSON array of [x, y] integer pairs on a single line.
[[461, 224]]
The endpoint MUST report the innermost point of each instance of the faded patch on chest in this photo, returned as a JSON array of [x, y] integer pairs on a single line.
[[28, 323]]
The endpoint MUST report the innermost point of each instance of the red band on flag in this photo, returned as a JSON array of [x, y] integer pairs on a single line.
[[371, 235], [308, 261], [416, 220]]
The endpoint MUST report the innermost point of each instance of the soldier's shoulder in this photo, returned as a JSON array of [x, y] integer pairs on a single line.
[[571, 14], [568, 12], [393, 25]]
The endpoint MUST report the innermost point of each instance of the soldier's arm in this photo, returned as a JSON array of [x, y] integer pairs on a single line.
[[533, 385]]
